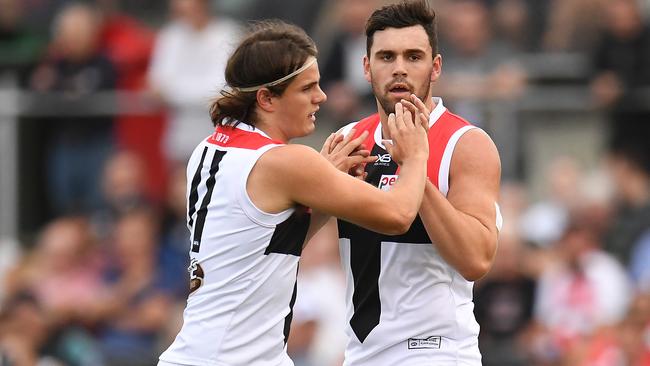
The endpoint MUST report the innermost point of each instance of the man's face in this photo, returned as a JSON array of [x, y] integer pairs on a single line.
[[299, 103], [401, 62]]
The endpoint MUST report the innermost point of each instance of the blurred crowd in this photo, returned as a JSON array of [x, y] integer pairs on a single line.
[[100, 277]]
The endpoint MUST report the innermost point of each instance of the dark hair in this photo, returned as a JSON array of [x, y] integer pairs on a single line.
[[274, 49], [402, 15]]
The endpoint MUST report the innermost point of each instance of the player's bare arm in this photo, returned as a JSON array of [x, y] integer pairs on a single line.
[[345, 154], [296, 174], [464, 231], [463, 226]]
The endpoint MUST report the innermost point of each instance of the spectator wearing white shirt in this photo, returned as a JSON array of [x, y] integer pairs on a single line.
[[187, 69]]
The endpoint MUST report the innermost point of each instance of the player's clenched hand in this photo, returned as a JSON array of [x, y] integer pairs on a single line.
[[409, 138], [347, 154]]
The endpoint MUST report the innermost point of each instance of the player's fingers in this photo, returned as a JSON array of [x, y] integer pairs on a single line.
[[388, 144], [392, 128], [356, 160], [410, 106], [354, 144], [406, 117], [399, 116], [327, 145], [339, 141], [345, 142], [420, 104], [424, 120], [361, 152], [358, 171]]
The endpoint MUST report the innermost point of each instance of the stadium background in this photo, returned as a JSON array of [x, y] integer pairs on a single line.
[[96, 120]]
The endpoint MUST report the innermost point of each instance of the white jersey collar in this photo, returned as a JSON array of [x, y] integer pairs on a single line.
[[248, 128]]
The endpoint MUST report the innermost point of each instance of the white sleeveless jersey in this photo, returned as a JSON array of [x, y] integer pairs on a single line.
[[406, 306], [243, 261]]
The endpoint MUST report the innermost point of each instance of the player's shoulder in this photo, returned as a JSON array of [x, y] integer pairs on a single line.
[[282, 157], [475, 148], [450, 119], [473, 142]]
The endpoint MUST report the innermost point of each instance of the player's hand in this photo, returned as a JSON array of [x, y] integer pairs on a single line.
[[418, 109], [409, 138], [347, 154]]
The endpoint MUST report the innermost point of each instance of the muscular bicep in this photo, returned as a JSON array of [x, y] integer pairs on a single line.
[[474, 178]]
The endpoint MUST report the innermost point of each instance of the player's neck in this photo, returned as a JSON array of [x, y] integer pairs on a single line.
[[272, 130]]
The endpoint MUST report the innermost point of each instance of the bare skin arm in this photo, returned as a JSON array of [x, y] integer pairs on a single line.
[[343, 153], [295, 174], [462, 226]]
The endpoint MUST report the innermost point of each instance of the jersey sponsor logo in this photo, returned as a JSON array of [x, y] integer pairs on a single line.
[[383, 159], [196, 275], [387, 181], [432, 342]]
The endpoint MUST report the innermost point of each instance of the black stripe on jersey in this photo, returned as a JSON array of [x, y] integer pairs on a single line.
[[289, 236], [194, 189], [203, 211], [365, 256], [289, 317], [365, 261]]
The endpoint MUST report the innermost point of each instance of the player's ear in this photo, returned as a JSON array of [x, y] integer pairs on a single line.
[[265, 100], [366, 68], [437, 67]]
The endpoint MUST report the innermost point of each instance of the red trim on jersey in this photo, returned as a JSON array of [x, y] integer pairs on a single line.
[[227, 136], [439, 135], [369, 124]]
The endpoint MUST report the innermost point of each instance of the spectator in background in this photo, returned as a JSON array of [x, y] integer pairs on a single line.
[[476, 67], [19, 47], [129, 44], [302, 13], [512, 24], [175, 242], [622, 58], [543, 222], [25, 333], [504, 304], [49, 292], [583, 289], [572, 25], [64, 271], [134, 308], [626, 343], [349, 94], [629, 167], [123, 189], [187, 69], [41, 13], [478, 70], [77, 146]]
